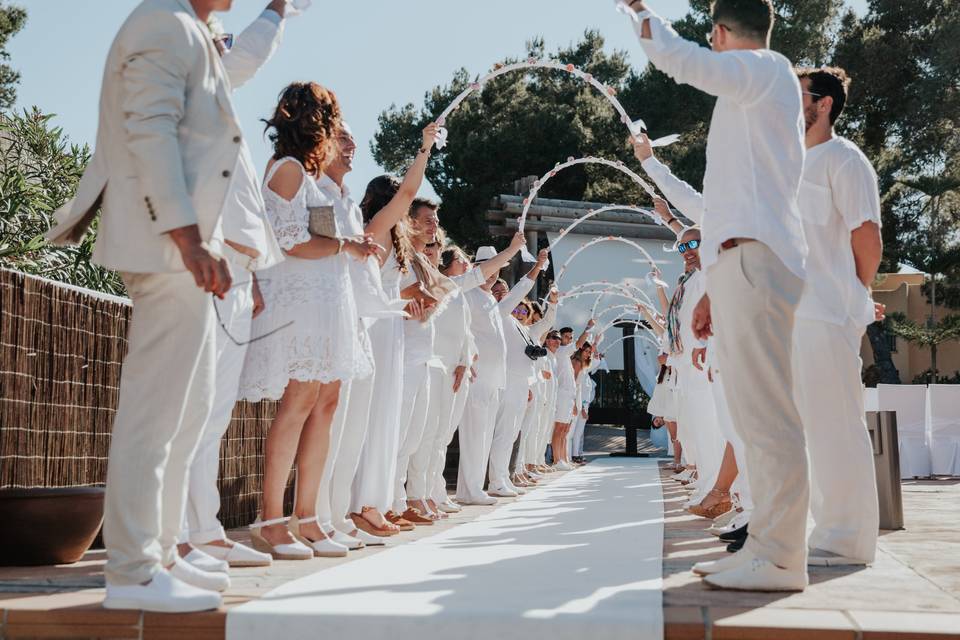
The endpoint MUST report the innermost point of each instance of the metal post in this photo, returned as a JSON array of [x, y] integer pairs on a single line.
[[630, 416], [882, 426]]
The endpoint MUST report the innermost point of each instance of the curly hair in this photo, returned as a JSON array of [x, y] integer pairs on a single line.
[[380, 191], [305, 125]]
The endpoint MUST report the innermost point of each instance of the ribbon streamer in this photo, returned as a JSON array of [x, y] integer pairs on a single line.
[[572, 162], [594, 212], [595, 241], [606, 91]]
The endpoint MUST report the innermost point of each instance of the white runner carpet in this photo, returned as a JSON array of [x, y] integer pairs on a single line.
[[578, 558]]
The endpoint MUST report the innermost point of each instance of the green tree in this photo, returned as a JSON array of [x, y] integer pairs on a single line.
[[39, 171], [12, 20]]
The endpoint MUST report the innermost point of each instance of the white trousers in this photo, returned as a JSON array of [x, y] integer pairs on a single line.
[[450, 410], [200, 522], [548, 410], [373, 482], [167, 386], [337, 429], [413, 418], [698, 415], [843, 485], [353, 424], [513, 405], [754, 298], [529, 430], [418, 469], [476, 437], [578, 431]]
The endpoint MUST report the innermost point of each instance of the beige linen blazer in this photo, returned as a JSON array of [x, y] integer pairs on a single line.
[[167, 142]]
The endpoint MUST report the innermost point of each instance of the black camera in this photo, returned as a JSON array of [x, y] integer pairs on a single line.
[[535, 352]]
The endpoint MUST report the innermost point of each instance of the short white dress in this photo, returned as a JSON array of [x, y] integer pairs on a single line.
[[324, 341]]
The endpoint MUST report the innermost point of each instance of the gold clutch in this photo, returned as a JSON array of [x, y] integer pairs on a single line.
[[323, 221]]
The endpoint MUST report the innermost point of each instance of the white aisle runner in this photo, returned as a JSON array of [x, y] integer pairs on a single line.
[[579, 558]]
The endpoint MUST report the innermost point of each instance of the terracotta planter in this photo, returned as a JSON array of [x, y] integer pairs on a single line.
[[48, 526]]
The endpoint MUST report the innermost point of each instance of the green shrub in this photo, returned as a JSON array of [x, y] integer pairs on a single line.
[[39, 171]]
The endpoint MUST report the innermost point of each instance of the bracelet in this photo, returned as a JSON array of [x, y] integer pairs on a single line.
[[425, 150], [670, 220]]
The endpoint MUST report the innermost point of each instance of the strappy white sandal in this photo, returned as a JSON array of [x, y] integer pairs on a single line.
[[326, 547], [287, 551], [352, 543]]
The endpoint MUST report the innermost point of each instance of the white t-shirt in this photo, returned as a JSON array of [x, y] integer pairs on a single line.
[[839, 193], [755, 146]]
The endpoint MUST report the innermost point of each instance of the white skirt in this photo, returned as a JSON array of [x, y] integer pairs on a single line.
[[321, 339], [664, 401]]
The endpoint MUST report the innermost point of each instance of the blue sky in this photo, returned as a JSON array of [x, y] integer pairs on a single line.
[[371, 53]]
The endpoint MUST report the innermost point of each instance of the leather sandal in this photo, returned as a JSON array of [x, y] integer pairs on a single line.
[[365, 525], [398, 520], [716, 510]]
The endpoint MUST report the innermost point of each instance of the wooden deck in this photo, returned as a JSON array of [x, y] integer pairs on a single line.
[[911, 593]]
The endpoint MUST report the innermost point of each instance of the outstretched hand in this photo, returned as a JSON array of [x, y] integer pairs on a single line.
[[642, 148]]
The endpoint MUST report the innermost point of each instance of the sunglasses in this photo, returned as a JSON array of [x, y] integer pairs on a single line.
[[812, 94], [521, 311], [683, 247], [241, 343], [432, 245], [226, 40]]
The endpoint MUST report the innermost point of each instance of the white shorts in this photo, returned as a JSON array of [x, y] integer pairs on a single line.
[[564, 412]]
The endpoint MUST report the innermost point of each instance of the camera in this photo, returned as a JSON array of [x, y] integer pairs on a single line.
[[535, 352]]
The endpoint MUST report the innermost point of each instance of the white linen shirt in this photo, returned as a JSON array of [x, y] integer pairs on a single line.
[[371, 299], [487, 327], [755, 147], [243, 218], [695, 287], [453, 342], [839, 193]]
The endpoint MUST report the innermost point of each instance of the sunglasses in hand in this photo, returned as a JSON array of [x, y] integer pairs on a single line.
[[240, 343]]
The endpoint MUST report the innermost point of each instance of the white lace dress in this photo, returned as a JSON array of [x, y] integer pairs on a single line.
[[325, 341]]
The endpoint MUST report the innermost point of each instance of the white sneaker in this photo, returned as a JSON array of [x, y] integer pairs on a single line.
[[205, 562], [207, 580], [723, 564], [683, 475], [563, 466], [352, 543], [517, 490], [486, 500], [325, 547], [164, 593], [502, 492], [738, 521], [824, 558], [449, 506], [758, 575], [369, 539], [722, 521], [237, 555]]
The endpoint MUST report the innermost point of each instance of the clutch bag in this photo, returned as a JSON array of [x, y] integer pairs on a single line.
[[323, 222]]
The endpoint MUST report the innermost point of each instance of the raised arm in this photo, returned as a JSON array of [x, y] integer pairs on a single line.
[[740, 75], [684, 197], [537, 329], [388, 217], [255, 44], [586, 333], [502, 259], [522, 288], [651, 320]]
